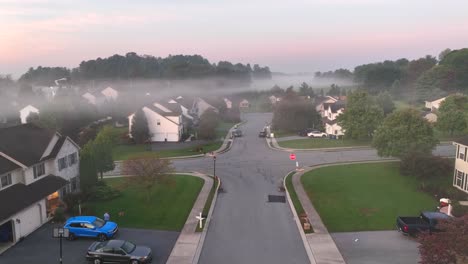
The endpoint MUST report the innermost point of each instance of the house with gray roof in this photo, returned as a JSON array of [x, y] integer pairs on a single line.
[[37, 168]]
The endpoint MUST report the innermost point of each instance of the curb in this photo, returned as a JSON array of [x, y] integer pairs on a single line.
[[207, 224], [298, 222], [336, 149]]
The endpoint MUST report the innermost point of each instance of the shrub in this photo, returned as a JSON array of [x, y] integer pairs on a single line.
[[459, 210], [59, 215], [72, 200], [425, 167]]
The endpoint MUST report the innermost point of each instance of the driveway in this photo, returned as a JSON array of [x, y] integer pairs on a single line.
[[371, 247], [40, 247]]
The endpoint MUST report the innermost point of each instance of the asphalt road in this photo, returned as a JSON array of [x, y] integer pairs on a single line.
[[40, 247], [245, 228]]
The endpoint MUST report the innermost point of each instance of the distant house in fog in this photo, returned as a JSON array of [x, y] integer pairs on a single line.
[[434, 105], [244, 103], [228, 103], [97, 98], [165, 121], [26, 111], [200, 106], [430, 116], [274, 99]]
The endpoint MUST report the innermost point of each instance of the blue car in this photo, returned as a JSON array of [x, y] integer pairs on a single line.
[[90, 226]]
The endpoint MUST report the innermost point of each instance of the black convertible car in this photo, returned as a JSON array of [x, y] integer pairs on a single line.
[[118, 251]]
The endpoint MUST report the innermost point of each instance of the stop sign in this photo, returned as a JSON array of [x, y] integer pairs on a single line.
[[292, 156]]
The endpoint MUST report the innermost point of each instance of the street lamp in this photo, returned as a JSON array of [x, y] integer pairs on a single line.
[[61, 232]]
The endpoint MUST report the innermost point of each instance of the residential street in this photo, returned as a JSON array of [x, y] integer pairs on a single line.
[[245, 227]]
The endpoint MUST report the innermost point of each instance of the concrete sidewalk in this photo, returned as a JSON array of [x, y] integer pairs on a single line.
[[189, 243], [320, 242]]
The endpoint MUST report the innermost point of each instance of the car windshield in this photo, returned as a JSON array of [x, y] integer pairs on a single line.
[[128, 247], [99, 222], [100, 245]]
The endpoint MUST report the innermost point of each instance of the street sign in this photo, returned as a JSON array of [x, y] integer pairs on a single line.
[[292, 156]]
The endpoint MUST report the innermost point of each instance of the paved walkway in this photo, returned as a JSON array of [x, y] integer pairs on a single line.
[[188, 244]]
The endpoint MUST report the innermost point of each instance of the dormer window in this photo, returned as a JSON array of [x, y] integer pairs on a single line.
[[39, 170], [5, 180]]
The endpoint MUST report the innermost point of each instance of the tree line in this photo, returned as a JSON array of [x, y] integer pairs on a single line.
[[134, 66]]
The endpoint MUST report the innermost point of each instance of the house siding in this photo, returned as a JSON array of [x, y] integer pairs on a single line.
[[165, 131], [30, 219], [461, 165]]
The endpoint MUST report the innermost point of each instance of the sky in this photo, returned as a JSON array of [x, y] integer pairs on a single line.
[[286, 35]]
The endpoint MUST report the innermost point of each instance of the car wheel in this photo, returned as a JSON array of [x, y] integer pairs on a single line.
[[102, 237], [324, 136], [134, 261], [71, 237], [97, 261]]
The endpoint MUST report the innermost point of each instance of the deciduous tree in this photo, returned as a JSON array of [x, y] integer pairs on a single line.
[[403, 131], [361, 117], [147, 172], [88, 170], [207, 126], [453, 113]]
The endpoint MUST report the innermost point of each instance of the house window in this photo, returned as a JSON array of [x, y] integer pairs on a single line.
[[62, 163], [72, 159], [5, 180], [461, 155], [459, 179], [73, 184], [39, 170], [158, 122]]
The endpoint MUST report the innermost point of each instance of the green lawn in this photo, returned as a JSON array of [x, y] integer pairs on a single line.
[[309, 143], [363, 197], [168, 209], [280, 134], [123, 152]]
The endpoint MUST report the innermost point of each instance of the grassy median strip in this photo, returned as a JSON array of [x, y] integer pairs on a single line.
[[364, 197], [206, 208], [124, 152], [168, 208], [297, 204], [311, 143]]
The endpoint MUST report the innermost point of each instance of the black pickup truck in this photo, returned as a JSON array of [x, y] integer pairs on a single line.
[[410, 225]]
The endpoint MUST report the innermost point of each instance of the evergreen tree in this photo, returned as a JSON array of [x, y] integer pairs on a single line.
[[140, 131]]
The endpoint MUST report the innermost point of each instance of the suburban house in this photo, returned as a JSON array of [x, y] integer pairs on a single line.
[[274, 99], [434, 104], [329, 117], [460, 175], [26, 111], [321, 101], [37, 168], [200, 106], [165, 122], [106, 95], [430, 116], [228, 103], [244, 103]]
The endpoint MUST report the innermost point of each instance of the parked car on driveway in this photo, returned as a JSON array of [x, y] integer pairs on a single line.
[[118, 251], [90, 226], [317, 134], [262, 134], [426, 221]]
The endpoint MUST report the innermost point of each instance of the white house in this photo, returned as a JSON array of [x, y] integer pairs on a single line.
[[110, 94], [460, 175], [274, 99], [228, 103], [434, 105], [329, 117], [37, 167], [26, 111], [321, 103], [430, 116], [165, 122], [244, 103], [200, 106], [97, 98]]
